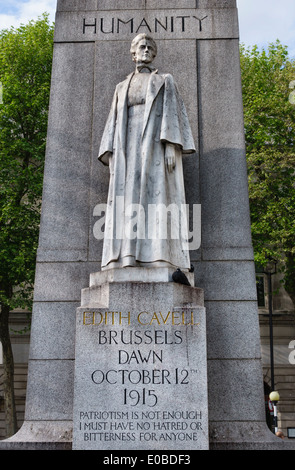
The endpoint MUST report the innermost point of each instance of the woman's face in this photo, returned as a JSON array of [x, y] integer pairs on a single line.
[[144, 52]]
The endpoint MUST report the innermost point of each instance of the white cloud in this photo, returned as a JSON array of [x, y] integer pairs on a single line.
[[18, 12]]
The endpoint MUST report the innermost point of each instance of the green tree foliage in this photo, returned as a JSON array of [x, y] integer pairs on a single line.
[[25, 72], [270, 143]]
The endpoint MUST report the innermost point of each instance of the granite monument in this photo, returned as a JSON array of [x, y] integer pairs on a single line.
[[198, 44], [141, 358]]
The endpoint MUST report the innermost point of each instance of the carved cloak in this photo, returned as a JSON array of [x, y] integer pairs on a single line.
[[165, 120]]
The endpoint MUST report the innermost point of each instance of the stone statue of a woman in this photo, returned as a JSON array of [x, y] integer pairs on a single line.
[[145, 137]]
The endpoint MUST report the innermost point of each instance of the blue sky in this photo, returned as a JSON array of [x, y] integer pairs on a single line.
[[261, 21], [264, 21]]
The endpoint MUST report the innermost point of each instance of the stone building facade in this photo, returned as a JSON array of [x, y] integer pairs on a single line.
[[20, 338], [283, 325]]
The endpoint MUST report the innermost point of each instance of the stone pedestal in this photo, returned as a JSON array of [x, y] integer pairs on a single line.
[[140, 365]]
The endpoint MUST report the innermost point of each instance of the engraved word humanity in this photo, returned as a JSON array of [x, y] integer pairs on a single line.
[[118, 25], [171, 24], [161, 24]]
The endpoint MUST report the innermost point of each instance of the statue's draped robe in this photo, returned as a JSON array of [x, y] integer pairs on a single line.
[[136, 137]]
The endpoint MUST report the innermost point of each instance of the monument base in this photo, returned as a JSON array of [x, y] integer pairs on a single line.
[[35, 436], [141, 374], [245, 436], [41, 435], [140, 364]]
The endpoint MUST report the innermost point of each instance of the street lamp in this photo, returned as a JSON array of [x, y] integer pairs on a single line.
[[270, 269], [274, 398]]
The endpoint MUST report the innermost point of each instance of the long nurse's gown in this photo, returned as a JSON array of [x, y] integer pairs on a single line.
[[147, 114]]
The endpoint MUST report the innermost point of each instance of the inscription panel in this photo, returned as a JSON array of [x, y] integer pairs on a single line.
[[141, 380], [161, 24]]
